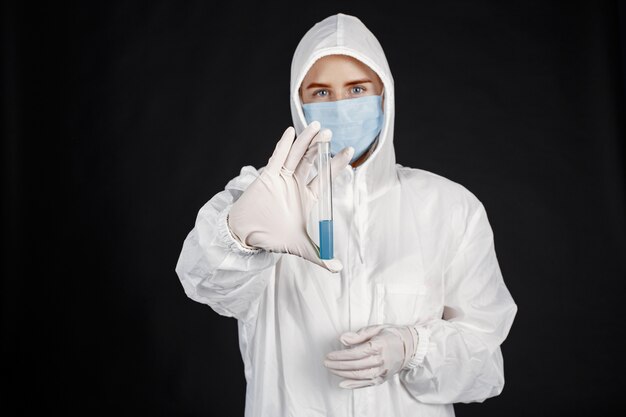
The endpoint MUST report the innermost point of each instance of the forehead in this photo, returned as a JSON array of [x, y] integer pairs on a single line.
[[333, 67]]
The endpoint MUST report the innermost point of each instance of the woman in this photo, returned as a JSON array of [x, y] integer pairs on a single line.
[[410, 315]]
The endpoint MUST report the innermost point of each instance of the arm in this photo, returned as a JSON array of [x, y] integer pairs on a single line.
[[458, 357], [214, 268], [266, 209]]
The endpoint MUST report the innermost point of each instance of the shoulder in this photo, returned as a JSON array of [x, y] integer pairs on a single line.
[[443, 198], [431, 185]]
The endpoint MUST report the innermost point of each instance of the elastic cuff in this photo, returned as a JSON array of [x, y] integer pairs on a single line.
[[225, 235], [422, 347]]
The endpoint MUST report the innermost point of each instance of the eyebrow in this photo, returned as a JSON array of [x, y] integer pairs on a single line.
[[320, 85]]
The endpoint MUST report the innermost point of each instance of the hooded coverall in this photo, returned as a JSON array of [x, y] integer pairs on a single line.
[[417, 250]]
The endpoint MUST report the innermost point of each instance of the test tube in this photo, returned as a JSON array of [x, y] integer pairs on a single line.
[[325, 199]]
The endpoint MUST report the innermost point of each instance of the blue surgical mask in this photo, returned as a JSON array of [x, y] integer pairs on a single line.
[[354, 122]]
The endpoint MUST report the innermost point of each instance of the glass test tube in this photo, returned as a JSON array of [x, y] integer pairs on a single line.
[[325, 200]]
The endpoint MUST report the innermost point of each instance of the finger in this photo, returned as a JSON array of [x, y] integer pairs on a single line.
[[309, 250], [357, 352], [281, 151], [353, 384], [360, 373], [304, 167], [337, 164], [341, 160], [305, 164], [300, 145], [367, 362], [366, 333]]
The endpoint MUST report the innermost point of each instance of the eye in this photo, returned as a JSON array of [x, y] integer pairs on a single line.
[[357, 89], [321, 93]]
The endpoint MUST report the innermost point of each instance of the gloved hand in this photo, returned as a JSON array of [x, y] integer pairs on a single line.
[[374, 355], [272, 212]]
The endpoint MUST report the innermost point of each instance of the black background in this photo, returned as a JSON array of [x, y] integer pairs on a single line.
[[121, 119]]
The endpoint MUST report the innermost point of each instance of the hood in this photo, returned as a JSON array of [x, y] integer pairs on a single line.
[[343, 34]]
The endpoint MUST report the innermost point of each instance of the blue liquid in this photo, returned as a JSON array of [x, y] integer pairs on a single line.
[[326, 239]]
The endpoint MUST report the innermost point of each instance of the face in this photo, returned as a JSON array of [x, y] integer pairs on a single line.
[[339, 77]]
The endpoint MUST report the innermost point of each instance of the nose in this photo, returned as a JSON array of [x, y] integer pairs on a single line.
[[344, 96]]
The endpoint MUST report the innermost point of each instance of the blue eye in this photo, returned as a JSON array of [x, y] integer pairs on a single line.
[[357, 89], [321, 93]]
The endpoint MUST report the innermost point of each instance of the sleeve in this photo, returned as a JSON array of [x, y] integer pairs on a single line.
[[458, 357], [214, 268]]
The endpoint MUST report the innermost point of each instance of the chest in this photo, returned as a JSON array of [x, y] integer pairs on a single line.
[[392, 249]]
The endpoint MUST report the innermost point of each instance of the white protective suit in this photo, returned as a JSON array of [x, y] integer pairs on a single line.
[[417, 249]]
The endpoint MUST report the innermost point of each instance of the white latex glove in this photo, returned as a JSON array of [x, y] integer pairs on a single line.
[[272, 212], [374, 355]]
